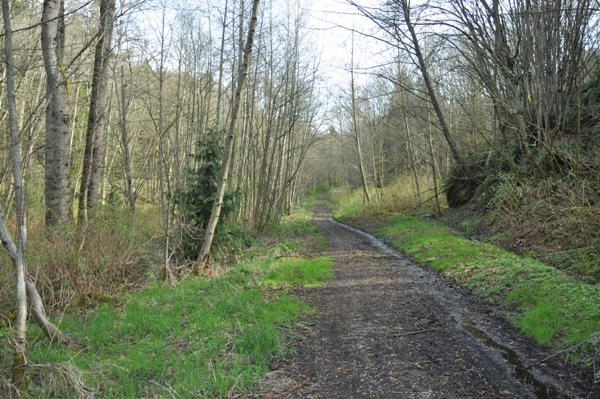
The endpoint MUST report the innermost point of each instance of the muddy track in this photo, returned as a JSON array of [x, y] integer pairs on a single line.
[[387, 328]]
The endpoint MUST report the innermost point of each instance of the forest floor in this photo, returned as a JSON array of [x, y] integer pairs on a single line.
[[386, 327]]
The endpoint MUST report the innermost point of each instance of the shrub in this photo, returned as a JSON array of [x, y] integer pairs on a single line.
[[195, 202], [84, 265]]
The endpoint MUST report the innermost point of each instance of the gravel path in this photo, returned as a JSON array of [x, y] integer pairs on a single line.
[[387, 328]]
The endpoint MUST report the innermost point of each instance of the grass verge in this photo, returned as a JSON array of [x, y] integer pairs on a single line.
[[202, 338], [547, 304]]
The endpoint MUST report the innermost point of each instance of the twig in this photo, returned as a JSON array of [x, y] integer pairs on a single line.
[[415, 332], [565, 251], [594, 339], [169, 390]]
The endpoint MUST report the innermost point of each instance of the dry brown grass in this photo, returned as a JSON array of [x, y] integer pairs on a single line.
[[62, 380], [401, 196], [556, 214], [8, 390], [398, 197]]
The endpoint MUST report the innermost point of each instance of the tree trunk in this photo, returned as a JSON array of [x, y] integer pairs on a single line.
[[125, 141], [346, 185], [162, 176], [433, 170], [216, 210], [428, 83], [411, 154], [92, 161], [16, 251], [357, 131], [221, 62], [39, 312], [58, 162]]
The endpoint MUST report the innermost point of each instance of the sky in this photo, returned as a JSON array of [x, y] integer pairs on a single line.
[[333, 21]]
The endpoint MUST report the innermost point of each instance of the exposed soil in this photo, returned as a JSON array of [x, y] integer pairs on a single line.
[[388, 328]]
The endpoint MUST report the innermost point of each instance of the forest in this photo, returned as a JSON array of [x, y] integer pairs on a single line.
[[149, 142]]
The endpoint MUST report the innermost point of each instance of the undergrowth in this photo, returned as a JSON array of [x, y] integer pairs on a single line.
[[79, 267], [400, 196], [557, 220]]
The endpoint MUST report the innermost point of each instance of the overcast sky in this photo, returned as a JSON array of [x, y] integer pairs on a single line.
[[333, 21]]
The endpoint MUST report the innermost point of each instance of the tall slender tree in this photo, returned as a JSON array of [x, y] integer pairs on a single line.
[[58, 162], [356, 128], [25, 286], [16, 250], [396, 20], [229, 141], [125, 141], [90, 179]]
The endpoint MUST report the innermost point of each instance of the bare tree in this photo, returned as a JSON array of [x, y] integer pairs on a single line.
[[530, 57], [90, 179], [356, 128], [16, 250], [221, 63], [243, 73], [25, 286], [125, 140], [409, 148], [396, 20]]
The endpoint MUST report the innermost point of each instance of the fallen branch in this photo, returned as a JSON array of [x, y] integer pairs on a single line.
[[39, 314], [415, 332]]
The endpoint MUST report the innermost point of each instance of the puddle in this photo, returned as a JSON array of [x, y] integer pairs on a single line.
[[376, 242], [521, 373]]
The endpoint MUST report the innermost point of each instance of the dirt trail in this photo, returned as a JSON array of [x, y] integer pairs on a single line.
[[387, 328]]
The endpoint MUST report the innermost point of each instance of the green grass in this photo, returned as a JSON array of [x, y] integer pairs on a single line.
[[313, 273], [295, 233], [202, 338], [552, 307], [349, 205]]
